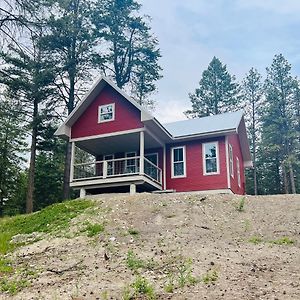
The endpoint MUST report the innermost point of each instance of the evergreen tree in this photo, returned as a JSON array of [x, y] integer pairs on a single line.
[[278, 131], [28, 76], [252, 92], [217, 92], [131, 55], [12, 148]]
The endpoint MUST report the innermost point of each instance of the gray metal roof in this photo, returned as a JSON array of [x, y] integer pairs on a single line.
[[216, 123]]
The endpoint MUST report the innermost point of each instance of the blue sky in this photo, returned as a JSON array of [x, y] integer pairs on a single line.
[[241, 33]]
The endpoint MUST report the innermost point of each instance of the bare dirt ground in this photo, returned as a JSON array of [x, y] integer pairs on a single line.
[[192, 247]]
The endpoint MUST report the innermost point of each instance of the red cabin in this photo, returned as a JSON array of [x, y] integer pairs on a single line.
[[126, 148]]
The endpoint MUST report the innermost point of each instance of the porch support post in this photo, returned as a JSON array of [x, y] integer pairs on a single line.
[[72, 161], [105, 169], [142, 152], [132, 189], [82, 193]]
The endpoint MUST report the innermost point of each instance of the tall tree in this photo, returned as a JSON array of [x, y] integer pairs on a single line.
[[12, 149], [252, 91], [70, 43], [28, 76], [131, 55], [217, 92], [278, 131]]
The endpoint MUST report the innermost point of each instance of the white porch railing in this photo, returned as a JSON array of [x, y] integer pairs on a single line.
[[116, 168]]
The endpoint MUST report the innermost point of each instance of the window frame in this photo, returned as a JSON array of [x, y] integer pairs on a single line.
[[99, 113], [183, 161], [112, 168], [230, 159], [238, 170], [205, 173], [127, 166]]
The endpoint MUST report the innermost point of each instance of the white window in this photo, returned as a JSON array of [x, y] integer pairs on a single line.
[[131, 164], [231, 162], [211, 158], [106, 113], [178, 162], [110, 164], [238, 171]]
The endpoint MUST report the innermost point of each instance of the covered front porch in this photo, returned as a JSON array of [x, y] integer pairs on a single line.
[[127, 161]]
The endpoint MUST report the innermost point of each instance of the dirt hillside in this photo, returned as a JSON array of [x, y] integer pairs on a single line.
[[172, 246]]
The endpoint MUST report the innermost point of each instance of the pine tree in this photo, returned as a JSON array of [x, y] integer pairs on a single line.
[[278, 132], [132, 52], [252, 92], [12, 149], [28, 76], [217, 92]]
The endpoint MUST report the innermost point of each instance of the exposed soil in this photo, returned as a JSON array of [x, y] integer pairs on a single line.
[[234, 250]]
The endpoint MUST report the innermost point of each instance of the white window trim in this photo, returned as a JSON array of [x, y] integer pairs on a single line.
[[113, 113], [231, 163], [172, 162], [153, 153], [135, 160], [204, 159], [238, 170]]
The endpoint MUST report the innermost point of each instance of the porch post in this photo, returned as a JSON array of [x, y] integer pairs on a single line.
[[142, 152], [72, 161]]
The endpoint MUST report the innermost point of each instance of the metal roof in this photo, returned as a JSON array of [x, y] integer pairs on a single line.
[[211, 124]]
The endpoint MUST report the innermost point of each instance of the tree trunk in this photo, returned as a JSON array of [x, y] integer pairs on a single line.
[[285, 181], [31, 172], [292, 178]]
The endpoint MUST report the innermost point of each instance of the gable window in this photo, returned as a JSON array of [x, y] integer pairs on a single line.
[[106, 113], [231, 161], [238, 171], [211, 158], [178, 162]]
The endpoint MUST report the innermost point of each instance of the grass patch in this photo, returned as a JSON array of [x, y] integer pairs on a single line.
[[210, 277], [133, 262], [255, 240], [50, 219], [142, 287], [94, 229], [241, 205], [12, 286], [5, 266], [133, 231], [283, 241]]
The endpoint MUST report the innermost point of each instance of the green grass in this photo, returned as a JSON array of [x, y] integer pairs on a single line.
[[133, 262], [133, 231], [5, 266], [94, 229], [241, 205], [50, 219], [12, 286], [142, 287], [283, 241], [255, 240], [210, 277]]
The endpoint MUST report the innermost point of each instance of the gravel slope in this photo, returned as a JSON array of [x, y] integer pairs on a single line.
[[194, 235]]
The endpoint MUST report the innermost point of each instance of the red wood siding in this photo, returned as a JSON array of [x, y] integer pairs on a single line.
[[233, 140], [195, 180], [126, 116]]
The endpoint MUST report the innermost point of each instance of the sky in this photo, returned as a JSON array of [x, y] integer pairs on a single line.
[[241, 33]]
